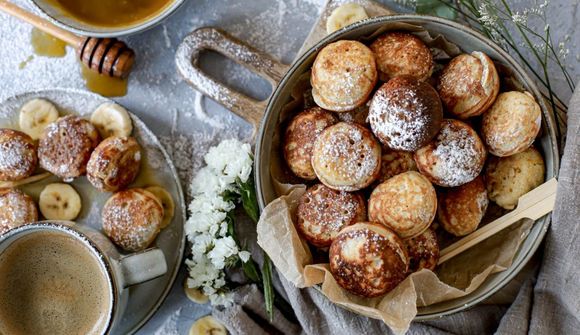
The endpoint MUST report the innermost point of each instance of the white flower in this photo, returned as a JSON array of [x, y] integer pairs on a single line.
[[212, 250], [244, 256], [207, 182], [223, 249], [232, 159], [203, 222]]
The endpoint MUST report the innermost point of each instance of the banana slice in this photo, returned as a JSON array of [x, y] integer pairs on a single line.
[[166, 201], [345, 15], [208, 325], [112, 120], [194, 294], [59, 202], [35, 115]]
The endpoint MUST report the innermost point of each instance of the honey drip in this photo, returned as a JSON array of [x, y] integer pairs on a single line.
[[103, 84], [46, 45]]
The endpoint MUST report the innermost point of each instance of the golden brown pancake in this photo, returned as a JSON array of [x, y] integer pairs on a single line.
[[132, 219], [18, 158], [344, 74], [346, 157], [406, 203], [469, 85], [405, 114], [299, 139], [402, 54], [368, 259], [114, 164], [455, 157]]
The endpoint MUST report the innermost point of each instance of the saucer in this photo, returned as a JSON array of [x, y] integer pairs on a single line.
[[157, 169]]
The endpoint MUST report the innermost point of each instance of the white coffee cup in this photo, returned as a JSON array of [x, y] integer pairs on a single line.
[[119, 271]]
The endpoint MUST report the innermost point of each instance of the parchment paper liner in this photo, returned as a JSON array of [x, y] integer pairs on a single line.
[[456, 278]]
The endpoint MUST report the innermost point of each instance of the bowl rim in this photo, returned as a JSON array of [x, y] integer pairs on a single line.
[[111, 32], [515, 267]]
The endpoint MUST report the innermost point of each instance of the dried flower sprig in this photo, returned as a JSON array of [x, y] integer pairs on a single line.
[[512, 30]]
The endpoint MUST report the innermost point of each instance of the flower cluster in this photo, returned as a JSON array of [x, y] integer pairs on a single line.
[[208, 228]]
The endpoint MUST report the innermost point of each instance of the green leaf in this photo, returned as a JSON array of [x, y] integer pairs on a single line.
[[436, 8], [249, 199], [269, 294], [251, 271], [230, 196], [230, 217]]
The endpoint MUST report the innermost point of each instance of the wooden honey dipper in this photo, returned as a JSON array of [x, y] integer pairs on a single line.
[[107, 56]]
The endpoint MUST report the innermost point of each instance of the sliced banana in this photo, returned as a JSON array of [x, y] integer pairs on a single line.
[[345, 15], [35, 115], [195, 295], [112, 120], [59, 202], [208, 325], [166, 201]]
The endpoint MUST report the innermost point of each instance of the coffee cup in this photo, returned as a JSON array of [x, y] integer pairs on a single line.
[[62, 278]]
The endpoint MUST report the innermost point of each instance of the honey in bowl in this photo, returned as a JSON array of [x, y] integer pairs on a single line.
[[110, 13]]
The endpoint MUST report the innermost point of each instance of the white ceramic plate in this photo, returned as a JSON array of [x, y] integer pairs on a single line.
[[157, 169]]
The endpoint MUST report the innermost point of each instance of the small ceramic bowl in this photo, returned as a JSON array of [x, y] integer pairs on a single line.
[[79, 27]]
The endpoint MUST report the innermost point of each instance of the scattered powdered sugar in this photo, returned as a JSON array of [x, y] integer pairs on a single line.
[[16, 157], [170, 326], [347, 155], [457, 154], [17, 208], [399, 118], [323, 211]]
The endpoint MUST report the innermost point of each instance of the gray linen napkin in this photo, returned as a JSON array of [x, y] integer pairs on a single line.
[[548, 305]]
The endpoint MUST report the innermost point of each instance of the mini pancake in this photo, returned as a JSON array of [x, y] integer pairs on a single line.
[[508, 178], [132, 219], [405, 203], [469, 85], [368, 259], [461, 209], [66, 146], [324, 212], [402, 54], [511, 125], [405, 114], [423, 251], [299, 139], [455, 157], [114, 164], [346, 157], [18, 159], [344, 75]]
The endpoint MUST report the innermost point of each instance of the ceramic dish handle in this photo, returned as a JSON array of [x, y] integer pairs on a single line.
[[142, 266], [187, 59]]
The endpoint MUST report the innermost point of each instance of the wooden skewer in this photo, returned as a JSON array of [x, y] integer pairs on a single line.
[[532, 205], [107, 56], [29, 180]]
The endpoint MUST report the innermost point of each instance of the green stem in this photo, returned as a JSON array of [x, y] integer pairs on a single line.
[[268, 287]]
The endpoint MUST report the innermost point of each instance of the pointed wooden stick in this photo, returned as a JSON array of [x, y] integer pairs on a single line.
[[25, 181], [532, 205]]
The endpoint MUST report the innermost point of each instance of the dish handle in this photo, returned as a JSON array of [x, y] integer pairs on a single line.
[[187, 60]]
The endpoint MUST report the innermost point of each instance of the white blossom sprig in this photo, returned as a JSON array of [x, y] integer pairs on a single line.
[[216, 189]]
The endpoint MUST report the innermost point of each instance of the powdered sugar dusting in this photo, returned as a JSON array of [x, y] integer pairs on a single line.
[[17, 156], [323, 212], [401, 117], [455, 157], [346, 156]]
